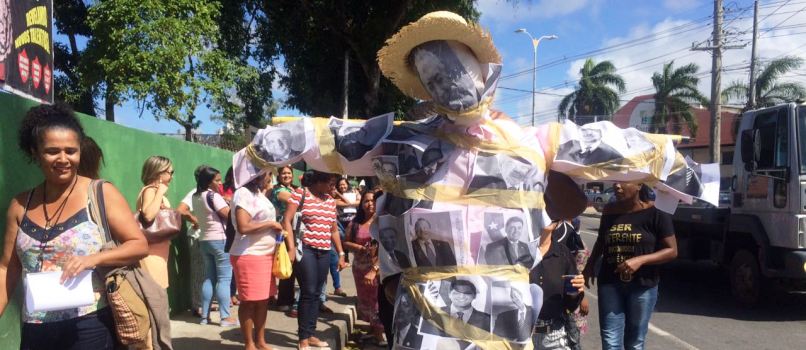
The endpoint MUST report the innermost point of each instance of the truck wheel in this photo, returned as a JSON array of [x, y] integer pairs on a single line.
[[745, 278]]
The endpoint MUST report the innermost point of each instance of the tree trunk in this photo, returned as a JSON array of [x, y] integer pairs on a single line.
[[109, 103], [188, 131], [373, 87], [73, 47]]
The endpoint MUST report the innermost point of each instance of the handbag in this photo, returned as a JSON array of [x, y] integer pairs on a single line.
[[281, 268], [129, 310], [168, 222]]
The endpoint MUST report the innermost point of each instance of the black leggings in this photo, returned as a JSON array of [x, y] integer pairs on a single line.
[[89, 332]]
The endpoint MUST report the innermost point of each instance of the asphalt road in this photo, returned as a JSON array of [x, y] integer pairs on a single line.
[[695, 311]]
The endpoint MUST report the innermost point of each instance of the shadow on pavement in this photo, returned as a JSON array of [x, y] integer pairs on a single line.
[[200, 343], [704, 289], [275, 338]]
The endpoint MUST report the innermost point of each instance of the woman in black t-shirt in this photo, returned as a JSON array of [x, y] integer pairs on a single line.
[[634, 238]]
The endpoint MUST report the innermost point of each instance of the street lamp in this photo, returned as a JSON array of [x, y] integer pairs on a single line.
[[535, 42]]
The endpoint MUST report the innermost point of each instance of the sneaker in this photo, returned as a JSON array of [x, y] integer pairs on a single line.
[[340, 292], [204, 320], [293, 313], [230, 323]]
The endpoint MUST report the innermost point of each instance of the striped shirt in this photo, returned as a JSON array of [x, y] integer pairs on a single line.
[[318, 216]]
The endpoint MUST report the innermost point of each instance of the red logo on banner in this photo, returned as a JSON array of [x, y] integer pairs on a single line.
[[36, 69], [48, 78], [24, 65]]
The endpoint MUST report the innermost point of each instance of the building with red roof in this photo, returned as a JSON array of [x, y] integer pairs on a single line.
[[637, 113]]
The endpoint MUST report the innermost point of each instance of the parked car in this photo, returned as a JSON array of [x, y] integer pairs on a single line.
[[600, 197]]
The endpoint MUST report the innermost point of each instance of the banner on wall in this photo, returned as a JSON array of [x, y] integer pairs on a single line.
[[26, 48]]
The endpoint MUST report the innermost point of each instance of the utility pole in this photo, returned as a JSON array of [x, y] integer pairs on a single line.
[[346, 83], [751, 91], [716, 49]]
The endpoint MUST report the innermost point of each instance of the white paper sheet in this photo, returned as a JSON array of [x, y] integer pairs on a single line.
[[43, 292]]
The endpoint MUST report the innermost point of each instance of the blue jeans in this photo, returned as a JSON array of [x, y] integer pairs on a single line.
[[312, 274], [91, 331], [624, 312], [334, 269], [218, 272]]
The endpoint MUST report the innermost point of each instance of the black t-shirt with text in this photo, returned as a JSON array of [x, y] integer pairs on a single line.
[[624, 236]]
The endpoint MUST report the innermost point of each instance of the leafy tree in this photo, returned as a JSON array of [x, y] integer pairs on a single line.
[[594, 95], [71, 20], [250, 101], [769, 90], [675, 91], [312, 37], [164, 54]]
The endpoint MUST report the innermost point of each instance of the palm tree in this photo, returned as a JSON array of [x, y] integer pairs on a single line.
[[594, 95], [769, 91], [675, 91]]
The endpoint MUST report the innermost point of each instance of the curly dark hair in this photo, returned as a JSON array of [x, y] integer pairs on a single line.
[[42, 118], [312, 177]]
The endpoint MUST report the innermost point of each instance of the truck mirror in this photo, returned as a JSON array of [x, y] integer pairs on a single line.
[[748, 149]]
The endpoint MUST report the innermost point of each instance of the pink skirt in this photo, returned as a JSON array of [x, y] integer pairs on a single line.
[[252, 276]]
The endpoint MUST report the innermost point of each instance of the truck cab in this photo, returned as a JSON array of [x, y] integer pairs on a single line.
[[761, 236]]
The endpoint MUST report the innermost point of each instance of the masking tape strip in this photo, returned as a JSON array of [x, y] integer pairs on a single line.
[[485, 197], [256, 159], [327, 145], [505, 146], [452, 326]]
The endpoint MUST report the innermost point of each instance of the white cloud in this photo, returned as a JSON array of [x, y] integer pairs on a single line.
[[507, 12], [637, 64]]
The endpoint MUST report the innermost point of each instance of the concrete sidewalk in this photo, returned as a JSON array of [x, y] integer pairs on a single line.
[[281, 330]]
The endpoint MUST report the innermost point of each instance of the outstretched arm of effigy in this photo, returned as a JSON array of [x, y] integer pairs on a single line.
[[602, 151], [330, 145]]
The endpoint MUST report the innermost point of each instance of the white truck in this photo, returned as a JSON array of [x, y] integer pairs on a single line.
[[761, 236]]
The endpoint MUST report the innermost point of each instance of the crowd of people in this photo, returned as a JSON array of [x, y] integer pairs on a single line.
[[73, 223], [237, 223]]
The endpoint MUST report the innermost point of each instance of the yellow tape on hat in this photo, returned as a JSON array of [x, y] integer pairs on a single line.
[[327, 145], [259, 162], [454, 327]]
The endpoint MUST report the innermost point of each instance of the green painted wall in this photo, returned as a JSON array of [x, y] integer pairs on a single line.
[[125, 150]]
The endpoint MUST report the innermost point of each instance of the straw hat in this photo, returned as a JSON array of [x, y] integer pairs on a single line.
[[393, 58]]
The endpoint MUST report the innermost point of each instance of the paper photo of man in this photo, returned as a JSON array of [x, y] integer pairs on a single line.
[[284, 142], [392, 239], [589, 149], [385, 167], [432, 239], [636, 141], [407, 323], [466, 301], [355, 139], [513, 319], [508, 240]]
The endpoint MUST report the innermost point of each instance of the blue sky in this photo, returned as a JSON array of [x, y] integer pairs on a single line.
[[666, 30]]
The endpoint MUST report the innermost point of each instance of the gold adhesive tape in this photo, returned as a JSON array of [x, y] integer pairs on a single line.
[[484, 197], [256, 159], [327, 145], [454, 327]]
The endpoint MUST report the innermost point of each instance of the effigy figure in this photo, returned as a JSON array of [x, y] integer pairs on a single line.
[[466, 190]]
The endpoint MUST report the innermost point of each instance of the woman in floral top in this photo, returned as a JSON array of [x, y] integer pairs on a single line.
[[49, 229]]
